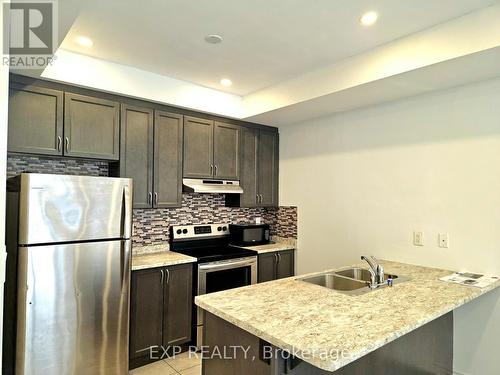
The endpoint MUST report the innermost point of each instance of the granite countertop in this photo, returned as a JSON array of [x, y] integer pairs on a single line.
[[159, 259], [278, 245], [310, 320]]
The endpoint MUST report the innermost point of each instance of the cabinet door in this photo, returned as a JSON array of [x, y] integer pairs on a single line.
[[146, 311], [268, 169], [167, 160], [226, 151], [248, 180], [198, 148], [91, 127], [285, 266], [266, 267], [178, 305], [136, 152], [35, 120]]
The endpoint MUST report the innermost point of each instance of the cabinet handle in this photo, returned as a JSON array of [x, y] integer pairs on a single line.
[[67, 144], [162, 277], [150, 198], [257, 195], [215, 173], [156, 198], [211, 169], [59, 143], [168, 275], [279, 257]]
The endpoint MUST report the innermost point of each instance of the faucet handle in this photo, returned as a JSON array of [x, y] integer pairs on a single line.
[[380, 273]]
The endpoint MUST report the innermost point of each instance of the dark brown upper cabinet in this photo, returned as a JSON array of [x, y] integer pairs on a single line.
[[167, 176], [211, 149], [267, 169], [227, 139], [259, 170], [91, 127], [161, 305], [249, 181], [35, 120], [136, 152], [198, 148], [277, 265], [151, 154]]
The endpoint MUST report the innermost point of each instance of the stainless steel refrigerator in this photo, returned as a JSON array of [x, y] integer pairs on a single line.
[[73, 272]]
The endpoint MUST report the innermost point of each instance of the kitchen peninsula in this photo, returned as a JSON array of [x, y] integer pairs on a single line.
[[407, 328]]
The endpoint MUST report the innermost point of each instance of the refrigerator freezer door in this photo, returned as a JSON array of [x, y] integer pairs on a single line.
[[60, 208], [73, 303]]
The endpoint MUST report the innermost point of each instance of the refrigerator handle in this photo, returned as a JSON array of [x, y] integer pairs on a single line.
[[124, 262], [126, 213]]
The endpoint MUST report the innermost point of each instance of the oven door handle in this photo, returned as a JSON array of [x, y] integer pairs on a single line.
[[228, 265]]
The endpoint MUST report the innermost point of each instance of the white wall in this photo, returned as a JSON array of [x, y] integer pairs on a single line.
[[4, 95], [429, 163]]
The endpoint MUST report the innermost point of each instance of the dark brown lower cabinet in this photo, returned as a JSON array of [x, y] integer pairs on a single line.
[[146, 311], [426, 350], [177, 305], [277, 265], [160, 311]]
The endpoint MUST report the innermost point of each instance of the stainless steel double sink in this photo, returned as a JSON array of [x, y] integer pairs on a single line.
[[354, 280]]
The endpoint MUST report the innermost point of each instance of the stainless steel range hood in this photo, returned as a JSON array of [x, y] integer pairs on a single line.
[[194, 185]]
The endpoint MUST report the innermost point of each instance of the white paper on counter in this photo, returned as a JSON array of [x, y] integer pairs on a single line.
[[470, 279]]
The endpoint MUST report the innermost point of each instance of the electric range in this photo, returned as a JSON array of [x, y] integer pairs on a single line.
[[219, 265]]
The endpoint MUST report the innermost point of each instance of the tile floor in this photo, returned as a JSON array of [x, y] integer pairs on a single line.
[[184, 364]]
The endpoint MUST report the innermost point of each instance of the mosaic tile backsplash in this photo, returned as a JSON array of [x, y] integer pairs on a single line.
[[151, 226], [18, 163]]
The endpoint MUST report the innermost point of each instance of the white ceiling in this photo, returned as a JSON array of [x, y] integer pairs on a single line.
[[265, 42]]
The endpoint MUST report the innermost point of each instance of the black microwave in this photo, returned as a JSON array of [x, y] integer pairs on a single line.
[[249, 234]]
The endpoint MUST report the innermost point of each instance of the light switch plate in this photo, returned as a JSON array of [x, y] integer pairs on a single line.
[[418, 238]]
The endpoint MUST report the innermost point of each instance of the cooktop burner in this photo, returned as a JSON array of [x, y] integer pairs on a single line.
[[206, 242]]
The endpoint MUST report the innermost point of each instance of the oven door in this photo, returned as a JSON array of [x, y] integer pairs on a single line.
[[223, 275]]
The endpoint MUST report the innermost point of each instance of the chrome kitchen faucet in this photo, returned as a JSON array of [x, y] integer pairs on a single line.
[[376, 271]]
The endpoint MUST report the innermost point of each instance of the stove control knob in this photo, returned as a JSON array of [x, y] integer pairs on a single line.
[[224, 228], [179, 231], [184, 231], [219, 229]]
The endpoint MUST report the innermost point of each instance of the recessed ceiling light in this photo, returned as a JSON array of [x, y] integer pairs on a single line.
[[84, 41], [226, 82], [369, 18], [213, 39]]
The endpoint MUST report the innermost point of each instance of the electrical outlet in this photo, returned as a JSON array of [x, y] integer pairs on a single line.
[[418, 238], [444, 240]]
